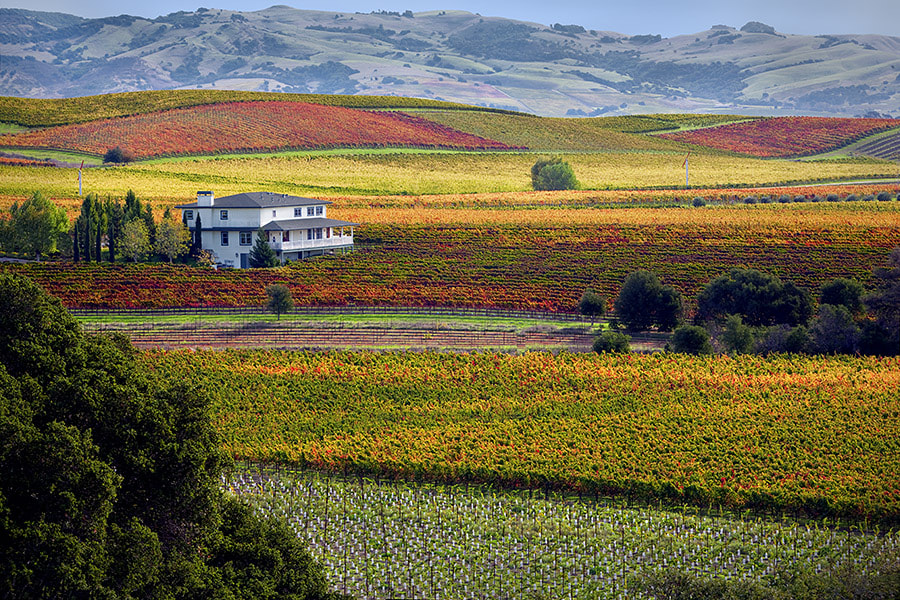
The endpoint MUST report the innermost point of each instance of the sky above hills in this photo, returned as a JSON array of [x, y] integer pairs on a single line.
[[663, 17]]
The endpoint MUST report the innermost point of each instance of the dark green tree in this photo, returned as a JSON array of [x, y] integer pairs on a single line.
[[110, 478], [760, 299], [592, 305], [843, 292], [643, 301], [115, 221], [553, 174], [611, 341], [197, 237], [834, 331], [117, 156], [736, 337], [261, 254], [280, 299], [690, 339]]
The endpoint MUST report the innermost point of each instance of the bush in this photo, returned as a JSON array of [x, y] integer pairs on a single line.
[[785, 199], [690, 339], [592, 304], [760, 298], [736, 337], [851, 198], [118, 156], [612, 341], [834, 331], [868, 198], [644, 301], [698, 202], [783, 338], [764, 199], [750, 200], [799, 198], [553, 174], [843, 292], [883, 196], [832, 198]]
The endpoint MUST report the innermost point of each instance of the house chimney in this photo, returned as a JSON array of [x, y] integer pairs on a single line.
[[205, 198]]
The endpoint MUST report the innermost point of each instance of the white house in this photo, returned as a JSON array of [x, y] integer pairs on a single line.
[[295, 227]]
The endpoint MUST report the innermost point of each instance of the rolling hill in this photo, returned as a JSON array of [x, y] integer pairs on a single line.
[[456, 56]]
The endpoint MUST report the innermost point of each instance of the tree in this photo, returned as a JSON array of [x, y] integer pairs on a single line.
[[592, 305], [760, 299], [115, 219], [261, 254], [37, 225], [643, 301], [553, 174], [172, 239], [197, 237], [884, 303], [135, 243], [843, 292], [834, 331], [110, 479], [611, 341], [737, 338], [280, 299], [117, 156], [690, 339], [89, 227]]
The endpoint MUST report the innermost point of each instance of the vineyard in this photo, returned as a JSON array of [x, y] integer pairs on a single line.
[[249, 127], [783, 136], [387, 539], [886, 147], [540, 259], [814, 435]]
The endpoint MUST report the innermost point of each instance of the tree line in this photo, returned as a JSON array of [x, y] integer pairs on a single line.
[[110, 230], [749, 311]]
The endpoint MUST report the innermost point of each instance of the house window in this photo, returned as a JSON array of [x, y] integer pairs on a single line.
[[189, 214], [298, 212], [309, 234], [318, 233], [246, 238], [310, 211], [224, 238], [318, 211], [223, 215], [286, 236]]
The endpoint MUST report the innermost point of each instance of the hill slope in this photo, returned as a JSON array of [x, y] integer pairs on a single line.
[[452, 55]]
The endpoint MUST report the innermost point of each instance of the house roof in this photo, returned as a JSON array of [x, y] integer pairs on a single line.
[[293, 224], [259, 200]]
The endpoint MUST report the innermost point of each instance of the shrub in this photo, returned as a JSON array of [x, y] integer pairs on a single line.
[[832, 198], [750, 200], [611, 341], [799, 198], [868, 198], [764, 199], [690, 339], [815, 198], [785, 199], [592, 304], [737, 338], [851, 198], [698, 202], [118, 156], [883, 196], [843, 292], [553, 174]]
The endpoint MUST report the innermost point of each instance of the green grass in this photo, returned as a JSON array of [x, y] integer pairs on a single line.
[[11, 128], [70, 157]]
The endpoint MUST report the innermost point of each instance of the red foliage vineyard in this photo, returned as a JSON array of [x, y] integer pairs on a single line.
[[784, 136], [500, 266], [250, 127]]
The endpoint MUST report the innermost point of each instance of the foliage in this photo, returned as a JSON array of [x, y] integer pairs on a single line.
[[552, 174], [736, 336], [36, 226], [280, 299], [173, 239], [760, 298], [611, 341], [644, 301], [885, 302], [592, 304], [118, 156], [135, 242], [249, 127], [784, 136], [690, 339], [843, 292], [834, 331], [261, 254], [109, 478], [777, 433]]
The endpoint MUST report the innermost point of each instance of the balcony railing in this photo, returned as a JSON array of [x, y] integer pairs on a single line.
[[304, 244]]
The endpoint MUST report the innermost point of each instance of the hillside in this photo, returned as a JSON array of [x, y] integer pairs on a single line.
[[452, 55]]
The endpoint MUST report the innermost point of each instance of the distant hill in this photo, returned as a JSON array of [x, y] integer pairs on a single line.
[[456, 56]]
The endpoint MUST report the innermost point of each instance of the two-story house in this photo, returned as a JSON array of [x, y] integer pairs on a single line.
[[295, 227]]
